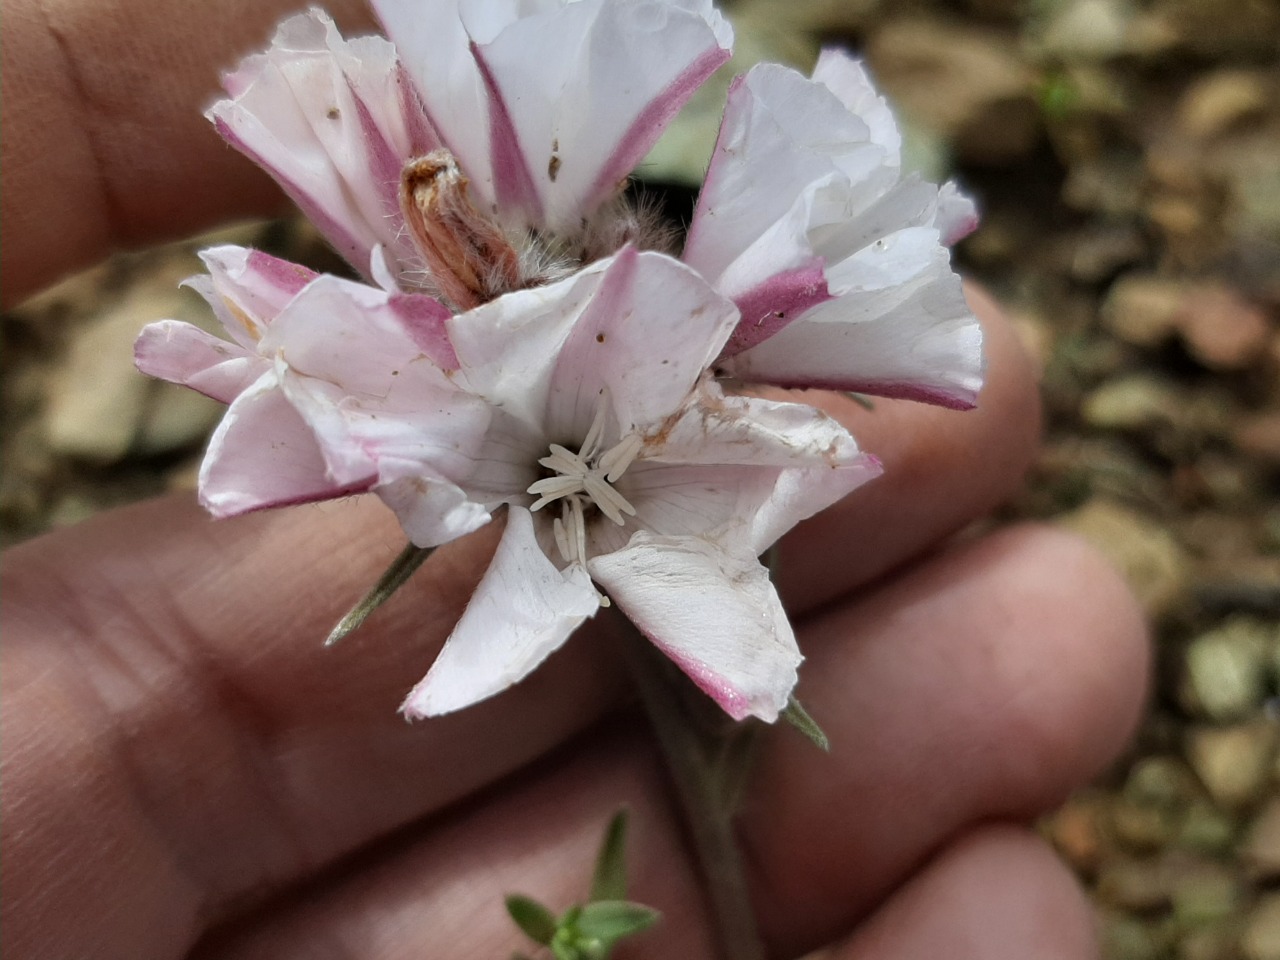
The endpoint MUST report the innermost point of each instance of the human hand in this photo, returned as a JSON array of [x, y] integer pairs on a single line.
[[188, 773]]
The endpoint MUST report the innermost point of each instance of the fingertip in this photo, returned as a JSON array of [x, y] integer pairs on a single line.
[[997, 893]]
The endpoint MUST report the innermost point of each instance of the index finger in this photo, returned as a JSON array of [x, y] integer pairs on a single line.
[[104, 143]]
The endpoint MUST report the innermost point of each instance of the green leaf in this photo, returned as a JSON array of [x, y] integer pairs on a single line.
[[608, 921], [538, 923], [609, 882], [392, 579], [798, 717]]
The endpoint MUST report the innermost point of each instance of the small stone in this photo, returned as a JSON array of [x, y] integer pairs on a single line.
[[1261, 939], [1216, 942], [1135, 402], [1123, 936], [1261, 848], [1076, 830], [1085, 30], [1143, 828], [1222, 329], [1203, 892], [1206, 830], [1234, 763], [1097, 254], [1221, 101], [1140, 548], [1141, 309], [1225, 673], [1132, 884], [968, 85], [1258, 436]]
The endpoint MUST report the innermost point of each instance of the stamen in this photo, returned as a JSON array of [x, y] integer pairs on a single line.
[[562, 539], [621, 455], [582, 479], [579, 525], [592, 440], [611, 503]]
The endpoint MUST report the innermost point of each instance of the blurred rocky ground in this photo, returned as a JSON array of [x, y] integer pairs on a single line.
[[1126, 154]]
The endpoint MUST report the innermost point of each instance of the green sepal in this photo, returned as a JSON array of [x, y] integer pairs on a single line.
[[861, 399], [605, 922], [609, 882], [537, 922], [392, 579], [798, 717]]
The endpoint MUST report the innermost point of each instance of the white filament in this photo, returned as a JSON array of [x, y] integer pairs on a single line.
[[583, 479]]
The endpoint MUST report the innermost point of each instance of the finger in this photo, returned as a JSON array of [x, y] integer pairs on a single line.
[[161, 639], [977, 687], [104, 140], [942, 468], [996, 894], [438, 888]]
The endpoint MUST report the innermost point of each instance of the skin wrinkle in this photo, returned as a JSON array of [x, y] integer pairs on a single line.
[[109, 212], [136, 669]]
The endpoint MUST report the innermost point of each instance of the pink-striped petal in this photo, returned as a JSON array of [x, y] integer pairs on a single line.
[[520, 613], [717, 616], [183, 353], [263, 454]]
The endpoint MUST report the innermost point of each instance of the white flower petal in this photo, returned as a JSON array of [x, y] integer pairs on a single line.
[[717, 616], [639, 327], [522, 611], [334, 122], [800, 494], [846, 77], [649, 331], [432, 511], [607, 79], [182, 353], [247, 289], [716, 428], [782, 139], [912, 337], [263, 454], [435, 49]]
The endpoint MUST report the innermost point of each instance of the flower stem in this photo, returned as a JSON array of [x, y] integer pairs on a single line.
[[705, 759]]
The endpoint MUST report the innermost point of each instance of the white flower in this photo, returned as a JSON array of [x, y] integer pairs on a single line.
[[621, 463], [529, 345]]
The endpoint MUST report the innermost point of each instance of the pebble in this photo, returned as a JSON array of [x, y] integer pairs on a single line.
[[1261, 848], [1076, 830], [967, 85], [1218, 102], [1225, 671], [1085, 30], [1132, 884], [97, 399], [1135, 402], [1203, 892], [1126, 937], [1258, 436], [1140, 309], [1222, 329], [1261, 939], [1234, 763], [1206, 830], [1143, 550]]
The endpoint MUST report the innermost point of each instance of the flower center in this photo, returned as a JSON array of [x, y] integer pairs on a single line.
[[583, 480]]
